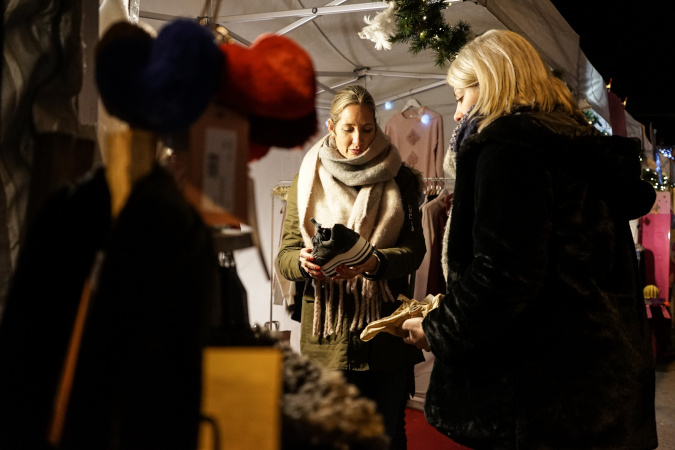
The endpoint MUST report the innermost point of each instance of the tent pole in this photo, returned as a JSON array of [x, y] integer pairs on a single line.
[[313, 12], [304, 20], [383, 73]]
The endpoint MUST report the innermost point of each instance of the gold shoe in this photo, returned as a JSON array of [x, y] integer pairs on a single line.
[[409, 308]]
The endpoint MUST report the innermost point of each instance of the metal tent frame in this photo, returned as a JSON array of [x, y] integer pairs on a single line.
[[307, 15]]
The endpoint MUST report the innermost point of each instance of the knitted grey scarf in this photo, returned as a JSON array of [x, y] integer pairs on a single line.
[[327, 191]]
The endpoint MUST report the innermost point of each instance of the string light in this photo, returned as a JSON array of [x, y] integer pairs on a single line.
[[667, 152]]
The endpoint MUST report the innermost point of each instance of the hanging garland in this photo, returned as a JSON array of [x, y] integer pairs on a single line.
[[420, 23], [592, 118]]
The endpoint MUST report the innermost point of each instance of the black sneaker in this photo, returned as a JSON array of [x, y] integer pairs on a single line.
[[338, 245]]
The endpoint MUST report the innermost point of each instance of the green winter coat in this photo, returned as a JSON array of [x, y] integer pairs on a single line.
[[346, 350]]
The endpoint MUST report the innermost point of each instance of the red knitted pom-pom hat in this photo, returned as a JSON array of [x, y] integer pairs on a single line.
[[274, 78], [273, 83]]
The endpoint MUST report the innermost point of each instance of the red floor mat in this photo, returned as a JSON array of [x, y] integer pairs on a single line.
[[422, 436]]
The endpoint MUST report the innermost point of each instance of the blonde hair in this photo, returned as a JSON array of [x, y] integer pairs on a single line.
[[351, 95], [510, 73]]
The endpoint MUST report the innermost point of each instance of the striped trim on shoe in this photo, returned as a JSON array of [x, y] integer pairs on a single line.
[[358, 254]]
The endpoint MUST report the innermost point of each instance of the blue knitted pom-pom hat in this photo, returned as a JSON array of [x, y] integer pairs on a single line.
[[161, 84]]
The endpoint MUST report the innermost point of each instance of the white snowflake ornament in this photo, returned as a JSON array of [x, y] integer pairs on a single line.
[[381, 28]]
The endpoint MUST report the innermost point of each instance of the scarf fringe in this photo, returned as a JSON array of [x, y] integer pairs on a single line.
[[368, 296], [352, 288], [328, 320], [341, 307], [316, 329]]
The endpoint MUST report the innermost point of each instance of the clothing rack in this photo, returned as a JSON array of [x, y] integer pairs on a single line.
[[438, 183], [437, 179], [278, 191]]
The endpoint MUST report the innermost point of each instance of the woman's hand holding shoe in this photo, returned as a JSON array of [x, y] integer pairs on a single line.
[[346, 273], [307, 264]]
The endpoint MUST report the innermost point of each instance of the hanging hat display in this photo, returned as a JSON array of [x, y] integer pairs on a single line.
[[273, 81], [164, 84], [161, 84]]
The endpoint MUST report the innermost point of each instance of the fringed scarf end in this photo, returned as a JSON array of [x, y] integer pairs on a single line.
[[367, 295], [316, 329]]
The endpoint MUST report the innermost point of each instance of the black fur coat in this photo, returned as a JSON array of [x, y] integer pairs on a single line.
[[542, 341]]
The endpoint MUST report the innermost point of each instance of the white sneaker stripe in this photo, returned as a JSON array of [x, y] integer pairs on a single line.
[[355, 256]]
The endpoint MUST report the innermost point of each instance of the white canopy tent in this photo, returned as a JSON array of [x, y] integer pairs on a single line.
[[328, 31]]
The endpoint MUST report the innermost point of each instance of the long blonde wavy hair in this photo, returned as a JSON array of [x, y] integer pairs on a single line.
[[509, 73]]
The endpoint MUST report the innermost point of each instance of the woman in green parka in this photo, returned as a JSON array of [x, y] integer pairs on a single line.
[[354, 176]]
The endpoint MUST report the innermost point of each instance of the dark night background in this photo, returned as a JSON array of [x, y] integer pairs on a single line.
[[633, 44]]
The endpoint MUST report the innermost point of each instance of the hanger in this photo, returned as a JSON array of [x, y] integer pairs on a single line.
[[411, 103], [418, 112]]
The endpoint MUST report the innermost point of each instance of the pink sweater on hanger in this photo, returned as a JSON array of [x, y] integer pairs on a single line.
[[421, 144]]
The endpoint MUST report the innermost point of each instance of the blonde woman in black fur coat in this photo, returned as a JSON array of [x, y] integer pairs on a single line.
[[541, 341]]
